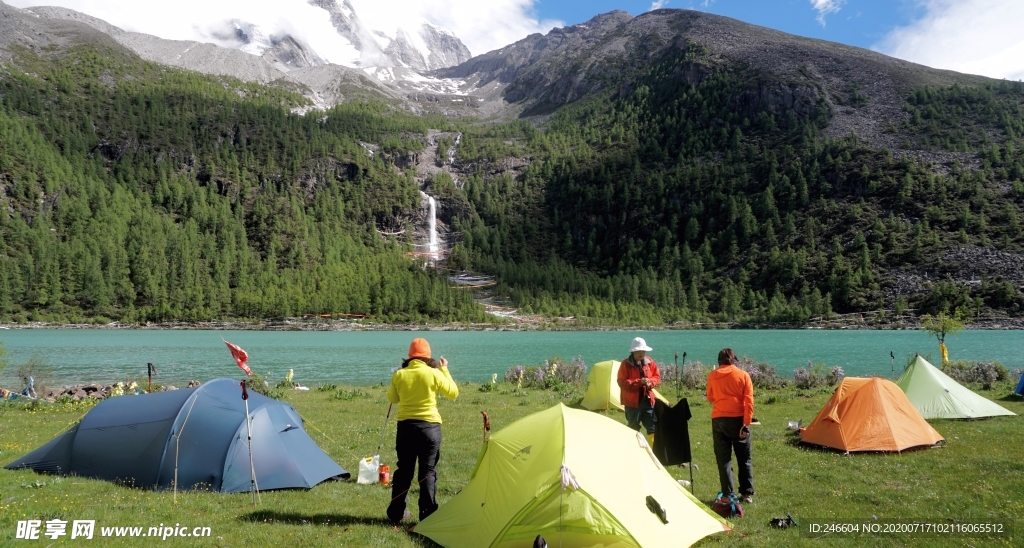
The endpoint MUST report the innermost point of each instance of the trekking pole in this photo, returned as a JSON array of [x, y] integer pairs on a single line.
[[487, 426], [893, 363], [150, 371], [679, 373], [383, 429], [254, 487]]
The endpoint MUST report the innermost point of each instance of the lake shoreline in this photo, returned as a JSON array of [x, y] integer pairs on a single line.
[[301, 324]]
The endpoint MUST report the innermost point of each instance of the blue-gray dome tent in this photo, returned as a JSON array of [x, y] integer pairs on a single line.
[[140, 440]]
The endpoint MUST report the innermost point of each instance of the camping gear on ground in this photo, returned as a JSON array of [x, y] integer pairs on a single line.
[[575, 477], [727, 507], [1020, 386], [138, 439], [603, 387], [936, 396], [783, 523], [869, 414], [369, 468]]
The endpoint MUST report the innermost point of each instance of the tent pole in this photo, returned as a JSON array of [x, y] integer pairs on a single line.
[[254, 488], [691, 478], [177, 439]]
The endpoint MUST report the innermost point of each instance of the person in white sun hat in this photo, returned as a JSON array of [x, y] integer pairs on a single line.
[[638, 376]]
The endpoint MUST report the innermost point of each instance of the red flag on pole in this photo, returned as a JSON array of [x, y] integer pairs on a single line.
[[240, 356]]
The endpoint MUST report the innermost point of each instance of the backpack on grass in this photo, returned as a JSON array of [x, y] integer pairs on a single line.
[[727, 507]]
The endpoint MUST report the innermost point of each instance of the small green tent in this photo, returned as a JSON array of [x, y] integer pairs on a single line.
[[578, 479], [936, 396], [603, 387]]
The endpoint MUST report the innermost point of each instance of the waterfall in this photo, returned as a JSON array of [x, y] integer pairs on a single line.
[[432, 225]]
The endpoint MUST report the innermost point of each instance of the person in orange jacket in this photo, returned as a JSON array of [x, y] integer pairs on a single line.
[[638, 375], [731, 394]]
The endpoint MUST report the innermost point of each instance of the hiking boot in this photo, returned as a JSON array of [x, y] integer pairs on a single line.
[[406, 517]]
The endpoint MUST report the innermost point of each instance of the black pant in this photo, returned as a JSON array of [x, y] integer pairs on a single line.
[[725, 431], [415, 440]]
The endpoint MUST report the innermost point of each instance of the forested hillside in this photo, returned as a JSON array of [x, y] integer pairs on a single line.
[[678, 192], [141, 193], [678, 200]]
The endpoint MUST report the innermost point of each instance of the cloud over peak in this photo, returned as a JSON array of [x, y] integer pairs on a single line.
[[482, 26], [972, 36]]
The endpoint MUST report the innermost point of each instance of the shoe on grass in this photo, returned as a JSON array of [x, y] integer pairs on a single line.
[[747, 499]]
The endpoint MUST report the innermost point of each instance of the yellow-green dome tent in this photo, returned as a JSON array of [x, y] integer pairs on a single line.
[[578, 479], [603, 387], [936, 396]]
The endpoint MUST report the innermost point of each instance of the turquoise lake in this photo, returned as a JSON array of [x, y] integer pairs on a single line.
[[365, 358]]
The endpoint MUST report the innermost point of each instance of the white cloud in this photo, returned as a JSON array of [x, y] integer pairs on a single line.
[[658, 4], [972, 36], [482, 26], [825, 7]]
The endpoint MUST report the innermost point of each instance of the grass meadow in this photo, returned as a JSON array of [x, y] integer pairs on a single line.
[[978, 475]]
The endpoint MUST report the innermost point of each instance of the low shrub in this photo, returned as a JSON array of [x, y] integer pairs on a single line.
[[261, 385], [974, 372], [348, 395], [761, 374], [695, 375], [555, 374], [814, 376]]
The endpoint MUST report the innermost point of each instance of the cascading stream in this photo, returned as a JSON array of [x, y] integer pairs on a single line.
[[432, 226]]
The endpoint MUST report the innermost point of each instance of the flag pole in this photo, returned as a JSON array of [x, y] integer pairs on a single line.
[[254, 487]]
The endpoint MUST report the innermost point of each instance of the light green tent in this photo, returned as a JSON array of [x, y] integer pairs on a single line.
[[578, 479], [603, 387], [936, 396]]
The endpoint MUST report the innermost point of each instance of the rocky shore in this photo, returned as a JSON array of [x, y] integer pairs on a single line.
[[97, 391]]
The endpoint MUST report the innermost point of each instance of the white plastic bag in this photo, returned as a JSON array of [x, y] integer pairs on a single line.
[[369, 470]]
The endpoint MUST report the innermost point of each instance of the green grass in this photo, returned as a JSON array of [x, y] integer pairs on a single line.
[[978, 474]]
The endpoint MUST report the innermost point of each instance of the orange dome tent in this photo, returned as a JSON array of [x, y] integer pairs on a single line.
[[869, 415]]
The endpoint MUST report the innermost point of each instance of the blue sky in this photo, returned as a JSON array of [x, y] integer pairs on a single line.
[[862, 23]]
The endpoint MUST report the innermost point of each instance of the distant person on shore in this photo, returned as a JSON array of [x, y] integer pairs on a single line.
[[638, 376], [414, 387], [731, 394]]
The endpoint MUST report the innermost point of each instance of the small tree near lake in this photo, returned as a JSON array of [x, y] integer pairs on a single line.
[[941, 325]]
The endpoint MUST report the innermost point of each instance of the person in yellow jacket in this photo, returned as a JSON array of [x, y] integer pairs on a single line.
[[414, 387]]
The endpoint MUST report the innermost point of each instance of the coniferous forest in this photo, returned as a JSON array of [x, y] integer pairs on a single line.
[[137, 192]]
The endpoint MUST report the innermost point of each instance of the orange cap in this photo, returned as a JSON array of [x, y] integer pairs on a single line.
[[419, 348]]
